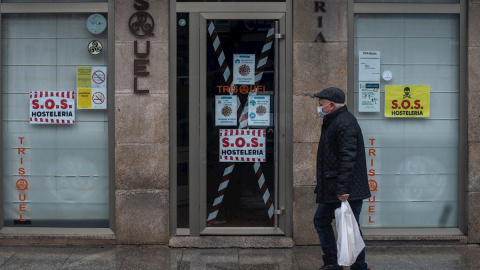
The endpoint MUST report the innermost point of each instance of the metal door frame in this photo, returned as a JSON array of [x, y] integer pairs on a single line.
[[201, 140], [228, 10]]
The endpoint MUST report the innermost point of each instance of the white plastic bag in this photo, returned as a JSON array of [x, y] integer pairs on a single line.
[[349, 242]]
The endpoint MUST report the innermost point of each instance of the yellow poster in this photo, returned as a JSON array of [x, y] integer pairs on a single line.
[[407, 101], [84, 98], [84, 77]]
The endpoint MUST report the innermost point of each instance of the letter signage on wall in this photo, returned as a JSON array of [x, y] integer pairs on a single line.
[[52, 107], [242, 145], [407, 101], [141, 25]]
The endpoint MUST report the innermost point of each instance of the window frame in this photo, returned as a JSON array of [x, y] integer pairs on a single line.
[[423, 8]]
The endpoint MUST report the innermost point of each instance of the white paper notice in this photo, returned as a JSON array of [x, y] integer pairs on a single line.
[[259, 110], [369, 97], [225, 110], [369, 66], [244, 69]]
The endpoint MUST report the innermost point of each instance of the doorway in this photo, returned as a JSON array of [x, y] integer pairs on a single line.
[[230, 102]]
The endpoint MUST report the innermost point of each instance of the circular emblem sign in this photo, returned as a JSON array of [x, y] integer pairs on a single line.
[[95, 47], [22, 184], [96, 23]]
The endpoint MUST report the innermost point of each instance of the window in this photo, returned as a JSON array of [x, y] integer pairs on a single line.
[[413, 162], [54, 175]]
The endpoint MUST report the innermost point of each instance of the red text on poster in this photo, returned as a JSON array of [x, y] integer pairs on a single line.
[[242, 145], [52, 107]]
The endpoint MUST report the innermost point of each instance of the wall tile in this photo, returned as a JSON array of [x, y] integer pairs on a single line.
[[306, 20], [474, 217], [304, 208], [304, 164], [473, 20], [156, 81], [473, 116], [158, 9], [141, 118], [142, 216], [306, 122], [142, 166], [474, 69], [474, 167], [319, 65]]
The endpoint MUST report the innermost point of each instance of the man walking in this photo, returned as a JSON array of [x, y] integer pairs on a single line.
[[341, 172]]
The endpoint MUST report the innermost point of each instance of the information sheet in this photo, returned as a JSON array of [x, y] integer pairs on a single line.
[[369, 97], [258, 110], [225, 110], [244, 69]]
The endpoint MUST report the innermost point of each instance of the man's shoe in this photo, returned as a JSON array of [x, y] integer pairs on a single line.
[[331, 267]]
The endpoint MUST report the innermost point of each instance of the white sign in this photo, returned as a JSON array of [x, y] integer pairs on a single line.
[[369, 66], [51, 107], [259, 110], [244, 69], [242, 145], [225, 110], [369, 97]]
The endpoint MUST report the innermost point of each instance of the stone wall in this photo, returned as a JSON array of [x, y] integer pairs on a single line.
[[316, 65], [473, 188], [141, 131]]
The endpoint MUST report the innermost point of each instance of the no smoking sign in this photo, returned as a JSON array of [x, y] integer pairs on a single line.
[[92, 98], [98, 98], [98, 77]]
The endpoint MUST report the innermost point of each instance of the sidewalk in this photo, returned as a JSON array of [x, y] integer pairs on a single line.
[[431, 257]]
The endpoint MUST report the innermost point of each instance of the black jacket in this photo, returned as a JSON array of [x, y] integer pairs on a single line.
[[341, 163]]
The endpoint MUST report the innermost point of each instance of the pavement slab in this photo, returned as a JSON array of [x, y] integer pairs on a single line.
[[130, 257]]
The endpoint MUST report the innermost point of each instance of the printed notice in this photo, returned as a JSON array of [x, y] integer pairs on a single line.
[[52, 107], [244, 69], [91, 77], [242, 145], [83, 77], [407, 101], [369, 66], [369, 97], [225, 110], [92, 88], [259, 110], [91, 98]]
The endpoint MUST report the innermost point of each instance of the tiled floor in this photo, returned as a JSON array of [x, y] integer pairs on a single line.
[[429, 257]]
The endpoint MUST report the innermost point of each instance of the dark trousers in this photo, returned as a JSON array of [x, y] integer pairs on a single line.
[[323, 224]]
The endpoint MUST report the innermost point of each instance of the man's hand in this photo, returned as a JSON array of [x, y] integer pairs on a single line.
[[343, 197]]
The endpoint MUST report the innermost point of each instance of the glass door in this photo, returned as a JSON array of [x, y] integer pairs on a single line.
[[239, 68]]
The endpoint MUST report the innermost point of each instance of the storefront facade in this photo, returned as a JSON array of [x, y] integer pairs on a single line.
[[192, 123]]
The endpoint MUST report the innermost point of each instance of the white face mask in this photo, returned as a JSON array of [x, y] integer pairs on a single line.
[[320, 111]]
